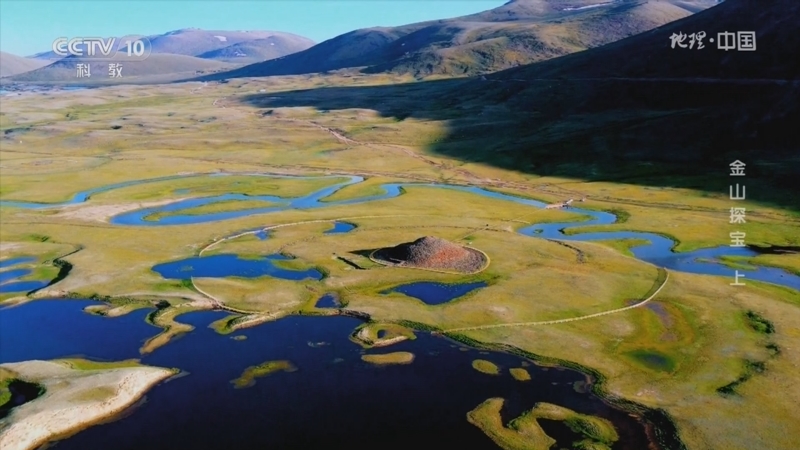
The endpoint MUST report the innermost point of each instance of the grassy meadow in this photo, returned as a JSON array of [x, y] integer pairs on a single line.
[[721, 361]]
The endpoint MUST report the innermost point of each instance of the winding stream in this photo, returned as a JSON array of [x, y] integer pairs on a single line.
[[658, 249], [335, 397]]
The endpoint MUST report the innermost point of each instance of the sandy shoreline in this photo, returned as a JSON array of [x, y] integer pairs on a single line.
[[103, 213], [71, 402]]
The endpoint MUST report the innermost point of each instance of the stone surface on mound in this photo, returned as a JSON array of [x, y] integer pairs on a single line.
[[434, 253]]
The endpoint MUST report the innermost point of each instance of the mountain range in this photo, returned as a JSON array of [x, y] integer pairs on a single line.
[[13, 64], [202, 43], [635, 111], [185, 52], [517, 33]]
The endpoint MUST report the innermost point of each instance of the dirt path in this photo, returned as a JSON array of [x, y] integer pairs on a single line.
[[572, 319], [219, 304]]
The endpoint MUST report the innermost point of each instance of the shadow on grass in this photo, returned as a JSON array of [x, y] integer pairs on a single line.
[[677, 133]]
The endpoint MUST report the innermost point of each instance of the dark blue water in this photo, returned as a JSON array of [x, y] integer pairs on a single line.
[[333, 400], [14, 261], [262, 235], [13, 274], [435, 293], [23, 286], [327, 301], [225, 265], [341, 227], [47, 329], [658, 250]]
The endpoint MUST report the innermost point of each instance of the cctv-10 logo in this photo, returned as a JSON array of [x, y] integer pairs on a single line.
[[103, 48]]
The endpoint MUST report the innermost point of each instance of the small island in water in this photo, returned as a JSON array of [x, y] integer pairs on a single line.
[[60, 397]]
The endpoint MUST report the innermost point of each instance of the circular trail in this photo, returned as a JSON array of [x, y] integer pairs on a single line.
[[221, 305], [571, 319], [657, 251]]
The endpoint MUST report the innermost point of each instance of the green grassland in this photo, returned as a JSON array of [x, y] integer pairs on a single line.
[[248, 377], [204, 186], [6, 377], [374, 334], [674, 353], [85, 364], [525, 433], [389, 358], [520, 374], [487, 367]]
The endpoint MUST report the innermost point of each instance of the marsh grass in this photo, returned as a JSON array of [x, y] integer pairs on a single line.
[[389, 358], [225, 324], [521, 433], [7, 376], [759, 323], [86, 364], [487, 367], [371, 335], [520, 374], [590, 427], [248, 377], [165, 318], [750, 369]]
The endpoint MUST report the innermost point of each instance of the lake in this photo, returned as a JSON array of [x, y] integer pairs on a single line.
[[334, 399]]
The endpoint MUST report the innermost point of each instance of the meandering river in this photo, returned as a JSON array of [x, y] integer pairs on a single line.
[[334, 398], [658, 250]]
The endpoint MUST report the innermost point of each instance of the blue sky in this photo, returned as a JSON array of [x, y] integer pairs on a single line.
[[30, 26]]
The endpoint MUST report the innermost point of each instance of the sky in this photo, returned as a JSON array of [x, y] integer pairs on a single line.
[[30, 26]]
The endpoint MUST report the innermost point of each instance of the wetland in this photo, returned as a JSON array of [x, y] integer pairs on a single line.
[[271, 244], [351, 393]]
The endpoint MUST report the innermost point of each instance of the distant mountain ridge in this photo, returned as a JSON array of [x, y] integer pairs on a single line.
[[13, 64], [519, 32], [189, 51], [156, 65], [198, 42]]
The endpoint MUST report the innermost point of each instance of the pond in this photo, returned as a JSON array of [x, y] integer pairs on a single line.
[[334, 399], [328, 301], [14, 261], [23, 286], [227, 265], [435, 293], [13, 274], [341, 227]]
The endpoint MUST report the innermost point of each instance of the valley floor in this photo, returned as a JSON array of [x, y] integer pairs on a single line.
[[721, 360]]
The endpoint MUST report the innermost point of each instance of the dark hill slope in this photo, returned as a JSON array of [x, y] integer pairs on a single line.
[[635, 111], [519, 32], [639, 111]]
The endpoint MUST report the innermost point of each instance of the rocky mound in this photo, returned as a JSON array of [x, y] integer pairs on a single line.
[[433, 253]]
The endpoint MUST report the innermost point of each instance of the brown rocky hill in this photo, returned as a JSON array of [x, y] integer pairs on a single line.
[[433, 253]]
